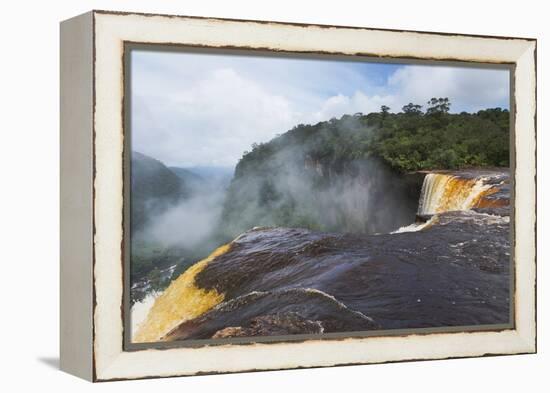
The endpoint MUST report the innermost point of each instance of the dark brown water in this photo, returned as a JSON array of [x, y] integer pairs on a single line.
[[454, 273]]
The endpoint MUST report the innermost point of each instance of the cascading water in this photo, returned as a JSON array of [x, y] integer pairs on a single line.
[[181, 301], [443, 192]]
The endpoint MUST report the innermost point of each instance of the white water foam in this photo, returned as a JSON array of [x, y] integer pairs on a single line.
[[415, 227], [139, 310]]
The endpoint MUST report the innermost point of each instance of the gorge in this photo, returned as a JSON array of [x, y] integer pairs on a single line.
[[452, 269]]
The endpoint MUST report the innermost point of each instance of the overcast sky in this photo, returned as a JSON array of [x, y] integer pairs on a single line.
[[196, 109]]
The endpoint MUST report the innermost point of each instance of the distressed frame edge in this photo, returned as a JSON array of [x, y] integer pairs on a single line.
[[526, 339], [304, 24], [76, 196], [525, 178]]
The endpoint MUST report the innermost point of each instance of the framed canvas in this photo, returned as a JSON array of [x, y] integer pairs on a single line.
[[243, 195]]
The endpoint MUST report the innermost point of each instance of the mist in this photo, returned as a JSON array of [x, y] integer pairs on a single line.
[[180, 215], [176, 208], [189, 223], [286, 182], [295, 187]]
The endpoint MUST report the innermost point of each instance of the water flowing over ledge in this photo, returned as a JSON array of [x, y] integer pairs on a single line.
[[452, 269], [181, 301], [449, 191]]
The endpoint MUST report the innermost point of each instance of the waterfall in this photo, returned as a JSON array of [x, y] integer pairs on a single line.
[[180, 302], [445, 192]]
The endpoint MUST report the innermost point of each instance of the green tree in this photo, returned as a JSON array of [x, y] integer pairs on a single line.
[[438, 106], [412, 109]]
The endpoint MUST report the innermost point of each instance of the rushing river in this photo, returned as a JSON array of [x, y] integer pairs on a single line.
[[450, 269]]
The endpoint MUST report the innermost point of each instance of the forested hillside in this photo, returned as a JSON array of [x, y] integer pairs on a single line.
[[347, 174], [407, 141]]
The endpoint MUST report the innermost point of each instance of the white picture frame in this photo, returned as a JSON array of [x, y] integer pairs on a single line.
[[92, 203]]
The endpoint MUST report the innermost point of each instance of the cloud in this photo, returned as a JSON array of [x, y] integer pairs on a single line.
[[197, 109], [210, 123], [469, 89], [338, 105]]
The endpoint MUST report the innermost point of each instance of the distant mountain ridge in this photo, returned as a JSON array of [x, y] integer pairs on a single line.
[[190, 178], [211, 171], [154, 188], [204, 178]]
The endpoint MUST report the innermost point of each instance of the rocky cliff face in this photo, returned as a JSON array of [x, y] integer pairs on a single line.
[[359, 196]]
